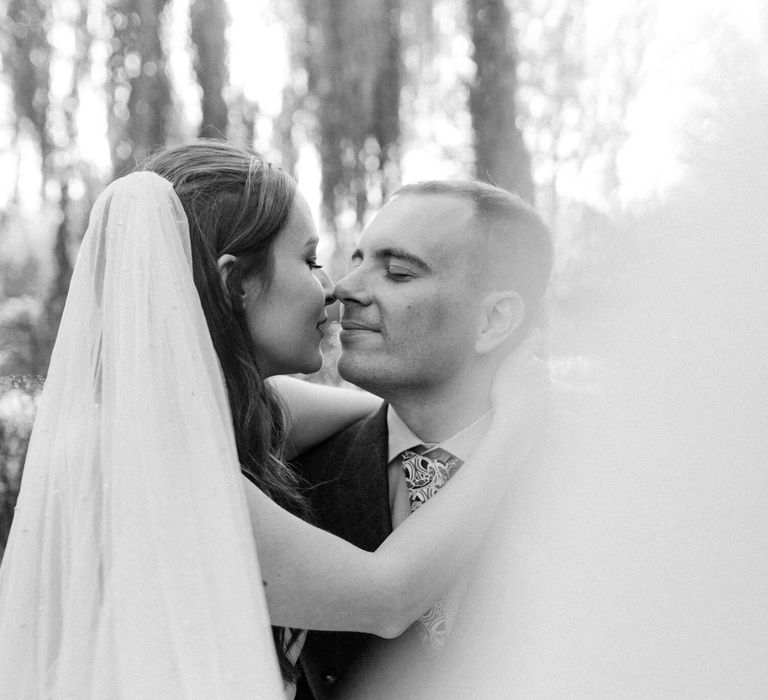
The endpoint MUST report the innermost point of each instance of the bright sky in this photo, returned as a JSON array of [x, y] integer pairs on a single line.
[[650, 161]]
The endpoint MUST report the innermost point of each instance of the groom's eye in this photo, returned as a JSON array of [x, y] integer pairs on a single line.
[[398, 273]]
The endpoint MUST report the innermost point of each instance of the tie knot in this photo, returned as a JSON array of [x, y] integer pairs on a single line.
[[426, 470], [439, 455], [420, 449], [434, 453]]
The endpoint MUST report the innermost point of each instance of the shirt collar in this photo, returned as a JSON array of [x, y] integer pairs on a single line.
[[461, 444]]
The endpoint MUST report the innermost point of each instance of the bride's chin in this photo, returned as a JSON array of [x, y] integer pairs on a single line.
[[319, 363], [314, 365]]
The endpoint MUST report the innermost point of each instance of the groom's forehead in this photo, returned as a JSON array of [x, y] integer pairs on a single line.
[[433, 227]]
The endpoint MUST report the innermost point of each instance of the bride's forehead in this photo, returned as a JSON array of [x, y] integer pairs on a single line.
[[299, 228]]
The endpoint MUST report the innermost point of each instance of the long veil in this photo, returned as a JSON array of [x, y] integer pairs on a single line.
[[131, 570]]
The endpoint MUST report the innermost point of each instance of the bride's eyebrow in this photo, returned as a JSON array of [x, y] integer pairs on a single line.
[[312, 241]]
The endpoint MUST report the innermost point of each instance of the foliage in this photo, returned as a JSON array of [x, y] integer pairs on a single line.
[[349, 53], [575, 93], [23, 347], [139, 89], [27, 56], [18, 402]]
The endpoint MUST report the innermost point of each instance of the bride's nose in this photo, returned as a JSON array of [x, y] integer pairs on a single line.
[[327, 285]]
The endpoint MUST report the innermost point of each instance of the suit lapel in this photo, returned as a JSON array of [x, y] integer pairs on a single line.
[[364, 485]]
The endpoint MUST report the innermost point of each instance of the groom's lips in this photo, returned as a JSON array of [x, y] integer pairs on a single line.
[[356, 326]]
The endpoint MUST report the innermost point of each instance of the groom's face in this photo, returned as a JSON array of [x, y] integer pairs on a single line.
[[411, 299]]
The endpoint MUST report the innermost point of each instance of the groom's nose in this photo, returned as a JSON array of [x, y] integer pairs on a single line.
[[350, 288]]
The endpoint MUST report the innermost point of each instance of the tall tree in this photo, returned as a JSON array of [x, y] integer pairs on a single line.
[[209, 21], [27, 57], [140, 94], [500, 152], [295, 110], [353, 66], [386, 106], [70, 166], [552, 66]]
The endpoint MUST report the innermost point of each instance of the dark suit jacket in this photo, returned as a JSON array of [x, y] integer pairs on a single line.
[[349, 492]]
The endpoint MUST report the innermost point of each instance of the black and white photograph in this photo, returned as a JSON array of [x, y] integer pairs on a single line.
[[383, 349]]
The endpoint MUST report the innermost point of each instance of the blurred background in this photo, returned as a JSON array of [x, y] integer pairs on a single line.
[[636, 127]]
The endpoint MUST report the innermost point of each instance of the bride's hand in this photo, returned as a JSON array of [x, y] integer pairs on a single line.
[[519, 395]]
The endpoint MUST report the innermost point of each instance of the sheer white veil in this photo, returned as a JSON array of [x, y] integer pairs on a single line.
[[131, 570]]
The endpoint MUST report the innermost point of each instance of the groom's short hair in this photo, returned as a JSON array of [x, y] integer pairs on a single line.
[[514, 248]]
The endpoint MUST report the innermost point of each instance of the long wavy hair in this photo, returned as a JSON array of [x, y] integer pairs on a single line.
[[238, 203]]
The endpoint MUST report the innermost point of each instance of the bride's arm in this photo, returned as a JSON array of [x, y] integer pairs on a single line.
[[315, 580], [316, 412]]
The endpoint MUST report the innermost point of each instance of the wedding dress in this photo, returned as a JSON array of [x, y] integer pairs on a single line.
[[131, 570]]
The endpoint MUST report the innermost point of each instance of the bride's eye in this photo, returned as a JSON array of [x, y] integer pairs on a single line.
[[312, 263]]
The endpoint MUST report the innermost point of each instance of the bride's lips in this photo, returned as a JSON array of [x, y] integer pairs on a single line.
[[319, 325]]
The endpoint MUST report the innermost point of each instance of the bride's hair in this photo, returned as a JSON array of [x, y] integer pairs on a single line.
[[237, 203]]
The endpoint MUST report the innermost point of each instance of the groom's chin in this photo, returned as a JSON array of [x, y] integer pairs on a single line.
[[354, 368], [346, 367]]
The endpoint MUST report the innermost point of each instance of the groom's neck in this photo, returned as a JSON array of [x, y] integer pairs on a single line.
[[437, 415]]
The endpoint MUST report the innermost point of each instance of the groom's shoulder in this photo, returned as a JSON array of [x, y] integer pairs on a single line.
[[367, 436]]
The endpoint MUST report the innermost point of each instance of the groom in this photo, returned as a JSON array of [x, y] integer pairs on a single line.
[[447, 279]]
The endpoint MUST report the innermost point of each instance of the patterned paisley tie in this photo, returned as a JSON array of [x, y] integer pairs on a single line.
[[426, 469]]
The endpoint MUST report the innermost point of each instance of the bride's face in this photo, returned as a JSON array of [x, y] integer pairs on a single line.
[[286, 317]]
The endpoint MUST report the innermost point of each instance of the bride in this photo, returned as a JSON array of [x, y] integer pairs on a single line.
[[132, 569]]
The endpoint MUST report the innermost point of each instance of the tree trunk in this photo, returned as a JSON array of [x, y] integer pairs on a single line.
[[500, 154], [71, 167], [353, 67], [354, 72], [27, 59], [386, 108], [326, 81], [209, 20], [137, 70]]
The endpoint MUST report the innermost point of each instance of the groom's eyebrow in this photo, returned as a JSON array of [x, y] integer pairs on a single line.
[[399, 253]]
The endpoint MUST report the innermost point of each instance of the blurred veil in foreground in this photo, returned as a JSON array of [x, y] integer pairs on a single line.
[[631, 559]]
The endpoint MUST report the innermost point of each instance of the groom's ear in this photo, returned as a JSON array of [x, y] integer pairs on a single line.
[[503, 312], [224, 264]]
